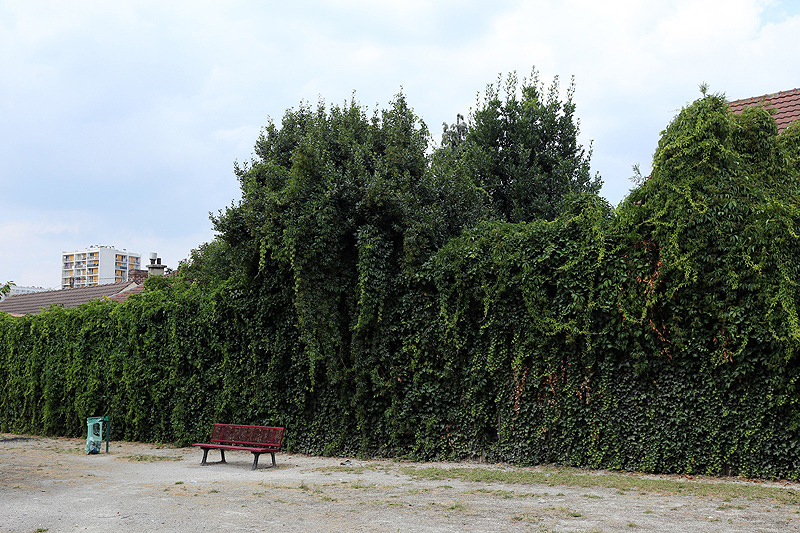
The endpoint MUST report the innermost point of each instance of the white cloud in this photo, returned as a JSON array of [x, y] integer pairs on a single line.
[[142, 107], [30, 249]]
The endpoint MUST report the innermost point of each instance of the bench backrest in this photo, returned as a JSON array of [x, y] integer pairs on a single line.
[[247, 435]]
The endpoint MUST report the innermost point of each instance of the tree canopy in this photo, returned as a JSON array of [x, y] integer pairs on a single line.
[[366, 177], [521, 146]]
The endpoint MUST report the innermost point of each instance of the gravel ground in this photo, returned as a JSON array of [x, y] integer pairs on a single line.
[[50, 484]]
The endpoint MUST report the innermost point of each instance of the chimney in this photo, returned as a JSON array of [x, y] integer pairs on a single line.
[[155, 268]]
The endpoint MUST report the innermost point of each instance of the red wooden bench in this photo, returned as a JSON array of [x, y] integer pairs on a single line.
[[254, 439]]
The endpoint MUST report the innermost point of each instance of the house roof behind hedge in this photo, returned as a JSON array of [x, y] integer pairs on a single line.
[[785, 103], [33, 303]]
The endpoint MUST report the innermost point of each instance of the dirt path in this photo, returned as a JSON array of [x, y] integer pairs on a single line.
[[50, 484]]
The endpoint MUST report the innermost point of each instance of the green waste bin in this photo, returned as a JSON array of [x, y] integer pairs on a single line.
[[94, 439]]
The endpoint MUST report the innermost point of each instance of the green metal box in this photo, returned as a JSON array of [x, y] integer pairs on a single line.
[[95, 426]]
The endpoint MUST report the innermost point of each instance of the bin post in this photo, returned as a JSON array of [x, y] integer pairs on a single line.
[[94, 437], [107, 420]]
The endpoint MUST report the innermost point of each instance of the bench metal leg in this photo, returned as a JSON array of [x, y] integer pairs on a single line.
[[205, 456], [256, 455]]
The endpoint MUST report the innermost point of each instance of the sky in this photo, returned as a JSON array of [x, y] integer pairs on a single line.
[[120, 122]]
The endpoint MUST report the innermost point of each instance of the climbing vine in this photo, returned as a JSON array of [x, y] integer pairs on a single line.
[[366, 294]]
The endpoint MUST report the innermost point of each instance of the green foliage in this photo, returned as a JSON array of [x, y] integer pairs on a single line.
[[5, 289], [521, 147], [712, 247], [520, 303], [375, 296], [719, 212], [789, 144]]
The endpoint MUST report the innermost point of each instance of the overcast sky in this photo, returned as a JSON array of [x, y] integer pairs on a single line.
[[120, 121]]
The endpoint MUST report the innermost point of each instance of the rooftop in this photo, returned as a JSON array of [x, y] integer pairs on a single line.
[[786, 105], [33, 303]]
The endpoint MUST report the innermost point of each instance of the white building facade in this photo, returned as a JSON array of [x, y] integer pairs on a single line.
[[22, 290], [97, 265], [26, 290]]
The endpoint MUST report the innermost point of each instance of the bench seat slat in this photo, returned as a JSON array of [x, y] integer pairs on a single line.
[[262, 449], [248, 443]]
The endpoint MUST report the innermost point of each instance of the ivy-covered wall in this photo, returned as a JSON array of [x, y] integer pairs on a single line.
[[370, 307]]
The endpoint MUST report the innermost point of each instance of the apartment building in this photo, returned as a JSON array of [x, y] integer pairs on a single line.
[[97, 265]]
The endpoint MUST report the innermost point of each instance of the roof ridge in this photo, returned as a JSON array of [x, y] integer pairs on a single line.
[[32, 303], [768, 95]]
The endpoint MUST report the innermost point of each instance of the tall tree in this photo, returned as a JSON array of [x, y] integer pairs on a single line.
[[522, 148]]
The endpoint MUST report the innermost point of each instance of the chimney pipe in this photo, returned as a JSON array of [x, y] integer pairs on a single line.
[[155, 268]]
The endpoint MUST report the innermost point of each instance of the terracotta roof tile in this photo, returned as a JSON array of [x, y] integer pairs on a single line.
[[121, 297], [785, 103], [33, 303]]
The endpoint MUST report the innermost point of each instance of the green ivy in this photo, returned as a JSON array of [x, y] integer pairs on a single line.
[[366, 294]]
